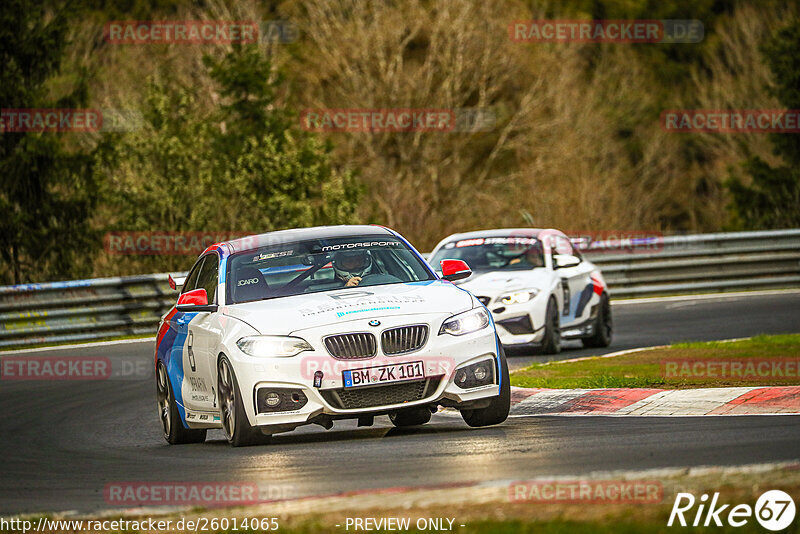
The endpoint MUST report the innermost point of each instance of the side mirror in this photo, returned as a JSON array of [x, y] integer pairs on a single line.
[[453, 270], [562, 261], [195, 300]]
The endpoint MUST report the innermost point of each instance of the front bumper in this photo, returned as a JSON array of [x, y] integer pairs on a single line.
[[294, 378], [519, 324]]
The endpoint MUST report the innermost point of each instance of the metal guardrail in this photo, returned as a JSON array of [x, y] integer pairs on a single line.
[[705, 263], [32, 314]]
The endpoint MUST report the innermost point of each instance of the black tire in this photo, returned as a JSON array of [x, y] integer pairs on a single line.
[[411, 416], [551, 342], [237, 428], [499, 406], [172, 426], [603, 326]]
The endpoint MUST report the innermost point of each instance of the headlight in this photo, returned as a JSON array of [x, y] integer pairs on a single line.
[[519, 297], [273, 346], [465, 323]]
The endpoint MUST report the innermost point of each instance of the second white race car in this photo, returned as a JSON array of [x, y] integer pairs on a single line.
[[537, 285]]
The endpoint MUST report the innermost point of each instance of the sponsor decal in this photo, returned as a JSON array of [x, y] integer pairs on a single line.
[[383, 308], [198, 383], [365, 244], [360, 304], [273, 255], [479, 241]]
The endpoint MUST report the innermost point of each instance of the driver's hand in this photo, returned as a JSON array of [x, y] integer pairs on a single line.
[[353, 281]]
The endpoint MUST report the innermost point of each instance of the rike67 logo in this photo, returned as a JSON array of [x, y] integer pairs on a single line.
[[774, 510]]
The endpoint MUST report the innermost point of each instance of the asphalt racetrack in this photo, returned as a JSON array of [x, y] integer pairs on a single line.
[[62, 442]]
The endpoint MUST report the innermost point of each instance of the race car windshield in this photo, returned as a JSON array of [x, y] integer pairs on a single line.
[[494, 253], [321, 265]]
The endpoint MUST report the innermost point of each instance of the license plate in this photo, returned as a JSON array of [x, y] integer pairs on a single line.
[[384, 374]]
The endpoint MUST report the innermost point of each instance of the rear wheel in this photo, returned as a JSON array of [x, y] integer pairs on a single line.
[[172, 425], [234, 419], [551, 342], [603, 326], [411, 416], [499, 406]]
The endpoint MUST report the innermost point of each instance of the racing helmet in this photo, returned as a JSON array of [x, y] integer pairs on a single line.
[[350, 263], [534, 255]]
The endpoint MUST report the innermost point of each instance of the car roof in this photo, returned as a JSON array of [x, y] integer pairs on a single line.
[[497, 232], [302, 234]]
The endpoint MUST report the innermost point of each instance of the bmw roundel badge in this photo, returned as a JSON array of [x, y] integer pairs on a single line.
[[374, 322]]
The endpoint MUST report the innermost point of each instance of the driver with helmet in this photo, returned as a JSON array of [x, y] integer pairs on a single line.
[[350, 266], [531, 256]]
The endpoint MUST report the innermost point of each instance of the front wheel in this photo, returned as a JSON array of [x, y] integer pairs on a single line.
[[551, 342], [171, 424], [603, 326], [234, 419], [499, 406]]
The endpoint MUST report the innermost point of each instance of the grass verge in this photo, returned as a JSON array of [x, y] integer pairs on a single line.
[[750, 362]]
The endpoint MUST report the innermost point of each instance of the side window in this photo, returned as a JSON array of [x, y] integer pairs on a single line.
[[191, 280], [208, 277], [563, 245], [570, 247]]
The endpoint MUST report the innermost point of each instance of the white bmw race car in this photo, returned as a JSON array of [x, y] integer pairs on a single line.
[[304, 326], [537, 285]]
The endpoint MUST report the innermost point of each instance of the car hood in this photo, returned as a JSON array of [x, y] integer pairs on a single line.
[[284, 315], [493, 283]]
